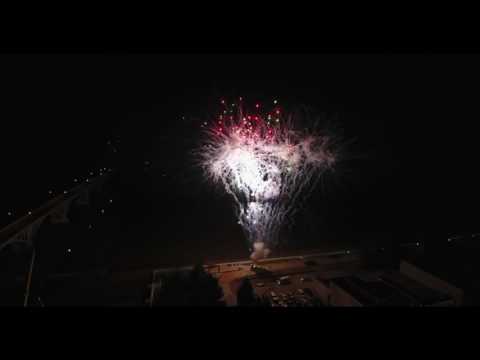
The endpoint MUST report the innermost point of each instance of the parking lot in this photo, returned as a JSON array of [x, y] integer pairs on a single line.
[[303, 285]]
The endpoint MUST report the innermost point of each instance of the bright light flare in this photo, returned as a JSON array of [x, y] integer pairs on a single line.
[[266, 166]]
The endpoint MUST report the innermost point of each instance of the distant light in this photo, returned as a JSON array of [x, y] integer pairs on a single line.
[[102, 211], [50, 192], [418, 244], [274, 101], [90, 226], [111, 201], [257, 105], [75, 180], [9, 213], [87, 180], [449, 240], [69, 250], [91, 174], [29, 213], [65, 191], [348, 251]]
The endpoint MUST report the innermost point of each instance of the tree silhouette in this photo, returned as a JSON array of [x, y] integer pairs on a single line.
[[173, 291], [196, 288], [246, 295], [204, 289]]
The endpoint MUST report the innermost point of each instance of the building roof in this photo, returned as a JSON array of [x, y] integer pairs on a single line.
[[420, 293], [385, 294], [359, 293]]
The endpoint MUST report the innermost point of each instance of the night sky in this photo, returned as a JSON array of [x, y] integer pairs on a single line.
[[409, 120]]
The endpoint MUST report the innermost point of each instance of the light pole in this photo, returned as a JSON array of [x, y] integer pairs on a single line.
[[154, 288], [29, 279]]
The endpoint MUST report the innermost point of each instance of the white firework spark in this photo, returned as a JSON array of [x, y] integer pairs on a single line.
[[265, 164]]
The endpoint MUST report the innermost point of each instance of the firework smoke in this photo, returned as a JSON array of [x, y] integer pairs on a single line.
[[266, 165]]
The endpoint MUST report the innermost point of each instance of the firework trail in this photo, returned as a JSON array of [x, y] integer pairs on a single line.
[[265, 164]]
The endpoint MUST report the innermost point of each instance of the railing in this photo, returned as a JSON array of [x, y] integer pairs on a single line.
[[25, 228]]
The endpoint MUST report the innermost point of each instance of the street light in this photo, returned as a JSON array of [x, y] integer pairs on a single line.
[[29, 279]]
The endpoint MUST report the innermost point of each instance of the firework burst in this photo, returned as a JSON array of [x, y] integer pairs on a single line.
[[265, 164]]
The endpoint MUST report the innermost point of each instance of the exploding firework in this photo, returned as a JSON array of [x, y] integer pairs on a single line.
[[266, 165]]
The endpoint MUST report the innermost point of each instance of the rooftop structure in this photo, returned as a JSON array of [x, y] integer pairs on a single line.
[[334, 279]]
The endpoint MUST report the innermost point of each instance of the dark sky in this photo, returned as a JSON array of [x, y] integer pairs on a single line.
[[412, 117]]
